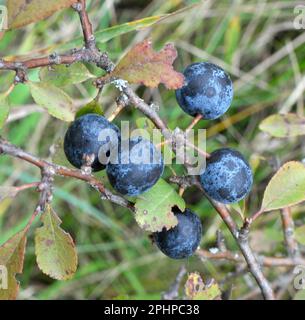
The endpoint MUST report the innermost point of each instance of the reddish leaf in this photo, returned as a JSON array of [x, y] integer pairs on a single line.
[[11, 263], [142, 65], [23, 12]]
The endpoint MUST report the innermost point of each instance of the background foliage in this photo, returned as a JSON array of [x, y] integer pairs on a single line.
[[253, 40]]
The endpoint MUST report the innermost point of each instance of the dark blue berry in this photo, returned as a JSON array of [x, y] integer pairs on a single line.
[[208, 91], [228, 177], [137, 169], [82, 139], [181, 241]]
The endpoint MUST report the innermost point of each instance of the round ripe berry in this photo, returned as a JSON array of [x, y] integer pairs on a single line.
[[90, 135], [181, 241], [137, 169], [228, 177], [208, 91]]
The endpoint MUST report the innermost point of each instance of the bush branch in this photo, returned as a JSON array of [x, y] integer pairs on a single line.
[[241, 237], [14, 151], [263, 260], [91, 54]]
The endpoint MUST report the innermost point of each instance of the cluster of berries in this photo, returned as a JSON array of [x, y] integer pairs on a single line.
[[135, 168]]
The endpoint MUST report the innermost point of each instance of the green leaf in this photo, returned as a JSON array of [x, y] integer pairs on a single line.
[[142, 65], [299, 234], [91, 107], [61, 75], [154, 207], [23, 12], [4, 109], [11, 257], [107, 34], [286, 188], [195, 289], [55, 250], [284, 125], [53, 99]]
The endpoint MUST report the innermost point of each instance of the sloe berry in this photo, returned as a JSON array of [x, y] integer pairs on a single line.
[[181, 241], [137, 169], [90, 134], [208, 91], [227, 177]]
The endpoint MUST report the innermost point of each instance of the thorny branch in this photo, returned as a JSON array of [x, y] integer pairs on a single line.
[[90, 53]]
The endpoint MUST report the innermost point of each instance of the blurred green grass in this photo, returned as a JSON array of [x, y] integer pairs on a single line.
[[255, 41]]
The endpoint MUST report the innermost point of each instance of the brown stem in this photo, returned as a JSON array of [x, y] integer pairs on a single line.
[[27, 186], [45, 187], [92, 54], [194, 122], [263, 260], [253, 265], [10, 149], [146, 109], [241, 237], [201, 152], [89, 38], [20, 67], [88, 54], [256, 215]]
